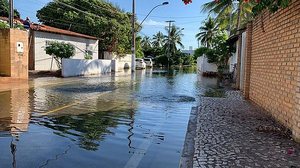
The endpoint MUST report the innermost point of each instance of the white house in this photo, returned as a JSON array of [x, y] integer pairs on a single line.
[[42, 35]]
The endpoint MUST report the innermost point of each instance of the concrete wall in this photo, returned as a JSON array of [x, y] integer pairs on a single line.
[[121, 61], [42, 61], [12, 63], [272, 73], [79, 67], [204, 66]]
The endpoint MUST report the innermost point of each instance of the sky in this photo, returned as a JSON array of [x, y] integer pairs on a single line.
[[188, 17]]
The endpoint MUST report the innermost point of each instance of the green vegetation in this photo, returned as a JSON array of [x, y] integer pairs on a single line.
[[4, 25], [207, 32], [98, 18], [165, 49], [60, 50], [4, 9]]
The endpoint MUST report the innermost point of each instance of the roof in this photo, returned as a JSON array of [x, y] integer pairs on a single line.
[[18, 21], [49, 29]]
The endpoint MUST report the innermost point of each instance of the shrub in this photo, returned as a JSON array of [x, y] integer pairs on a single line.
[[60, 50]]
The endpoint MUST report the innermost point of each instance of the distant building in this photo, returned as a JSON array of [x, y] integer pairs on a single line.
[[190, 51]]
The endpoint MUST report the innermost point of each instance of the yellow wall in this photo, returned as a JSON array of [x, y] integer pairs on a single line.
[[13, 64]]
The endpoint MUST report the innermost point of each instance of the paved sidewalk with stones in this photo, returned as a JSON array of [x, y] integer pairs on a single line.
[[232, 132]]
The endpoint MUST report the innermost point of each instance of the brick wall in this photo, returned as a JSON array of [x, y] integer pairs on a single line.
[[272, 73], [12, 63]]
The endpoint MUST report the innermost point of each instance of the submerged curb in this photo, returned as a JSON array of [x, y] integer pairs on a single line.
[[186, 159]]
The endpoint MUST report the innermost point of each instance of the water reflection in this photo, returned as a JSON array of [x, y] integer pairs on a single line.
[[14, 111], [14, 117], [99, 122]]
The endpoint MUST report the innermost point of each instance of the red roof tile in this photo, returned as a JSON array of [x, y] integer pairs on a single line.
[[50, 29]]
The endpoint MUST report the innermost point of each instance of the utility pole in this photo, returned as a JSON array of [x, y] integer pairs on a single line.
[[168, 54], [133, 37], [11, 13]]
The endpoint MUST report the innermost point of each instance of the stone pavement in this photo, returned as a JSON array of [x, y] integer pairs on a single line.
[[231, 132]]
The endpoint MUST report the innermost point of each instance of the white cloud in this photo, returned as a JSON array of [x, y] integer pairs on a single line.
[[151, 22]]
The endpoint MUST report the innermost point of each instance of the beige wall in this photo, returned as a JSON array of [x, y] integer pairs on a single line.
[[42, 61], [13, 64], [272, 67], [122, 61]]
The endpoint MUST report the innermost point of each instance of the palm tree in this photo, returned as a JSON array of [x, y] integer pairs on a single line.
[[158, 39], [173, 40], [228, 15], [146, 42], [207, 32]]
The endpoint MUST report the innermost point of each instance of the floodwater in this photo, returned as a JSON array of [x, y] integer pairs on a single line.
[[117, 121]]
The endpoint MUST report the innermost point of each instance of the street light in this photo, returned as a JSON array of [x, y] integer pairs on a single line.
[[133, 30], [164, 3]]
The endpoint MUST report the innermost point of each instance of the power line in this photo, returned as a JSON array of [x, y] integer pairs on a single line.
[[175, 17]]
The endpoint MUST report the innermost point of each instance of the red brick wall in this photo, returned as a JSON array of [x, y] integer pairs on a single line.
[[273, 59]]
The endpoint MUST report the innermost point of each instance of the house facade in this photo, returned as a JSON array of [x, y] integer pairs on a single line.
[[42, 35]]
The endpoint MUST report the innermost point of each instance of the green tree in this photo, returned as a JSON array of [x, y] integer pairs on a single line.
[[158, 39], [146, 42], [98, 18], [60, 50], [207, 32], [4, 9], [200, 52], [139, 49], [172, 41], [229, 15], [220, 52]]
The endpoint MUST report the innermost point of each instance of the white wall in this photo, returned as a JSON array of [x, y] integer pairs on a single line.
[[232, 61], [43, 61], [79, 67], [204, 66], [122, 61], [243, 52]]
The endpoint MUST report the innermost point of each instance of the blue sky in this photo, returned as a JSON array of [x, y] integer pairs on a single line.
[[188, 17]]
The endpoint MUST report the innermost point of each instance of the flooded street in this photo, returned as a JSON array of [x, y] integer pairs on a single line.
[[115, 121]]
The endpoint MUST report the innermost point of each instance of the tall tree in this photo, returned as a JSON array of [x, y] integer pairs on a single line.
[[158, 39], [4, 9], [97, 18], [207, 32], [230, 15], [173, 40], [146, 42]]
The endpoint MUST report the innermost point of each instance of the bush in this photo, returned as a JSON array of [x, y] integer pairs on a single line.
[[4, 25], [60, 50], [200, 52]]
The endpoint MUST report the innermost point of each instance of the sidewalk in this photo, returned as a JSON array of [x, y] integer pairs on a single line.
[[231, 132]]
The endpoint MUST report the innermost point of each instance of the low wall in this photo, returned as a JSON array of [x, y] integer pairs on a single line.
[[80, 67], [204, 66], [122, 62]]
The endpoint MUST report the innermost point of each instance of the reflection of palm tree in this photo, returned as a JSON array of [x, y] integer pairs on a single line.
[[207, 32], [158, 39]]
